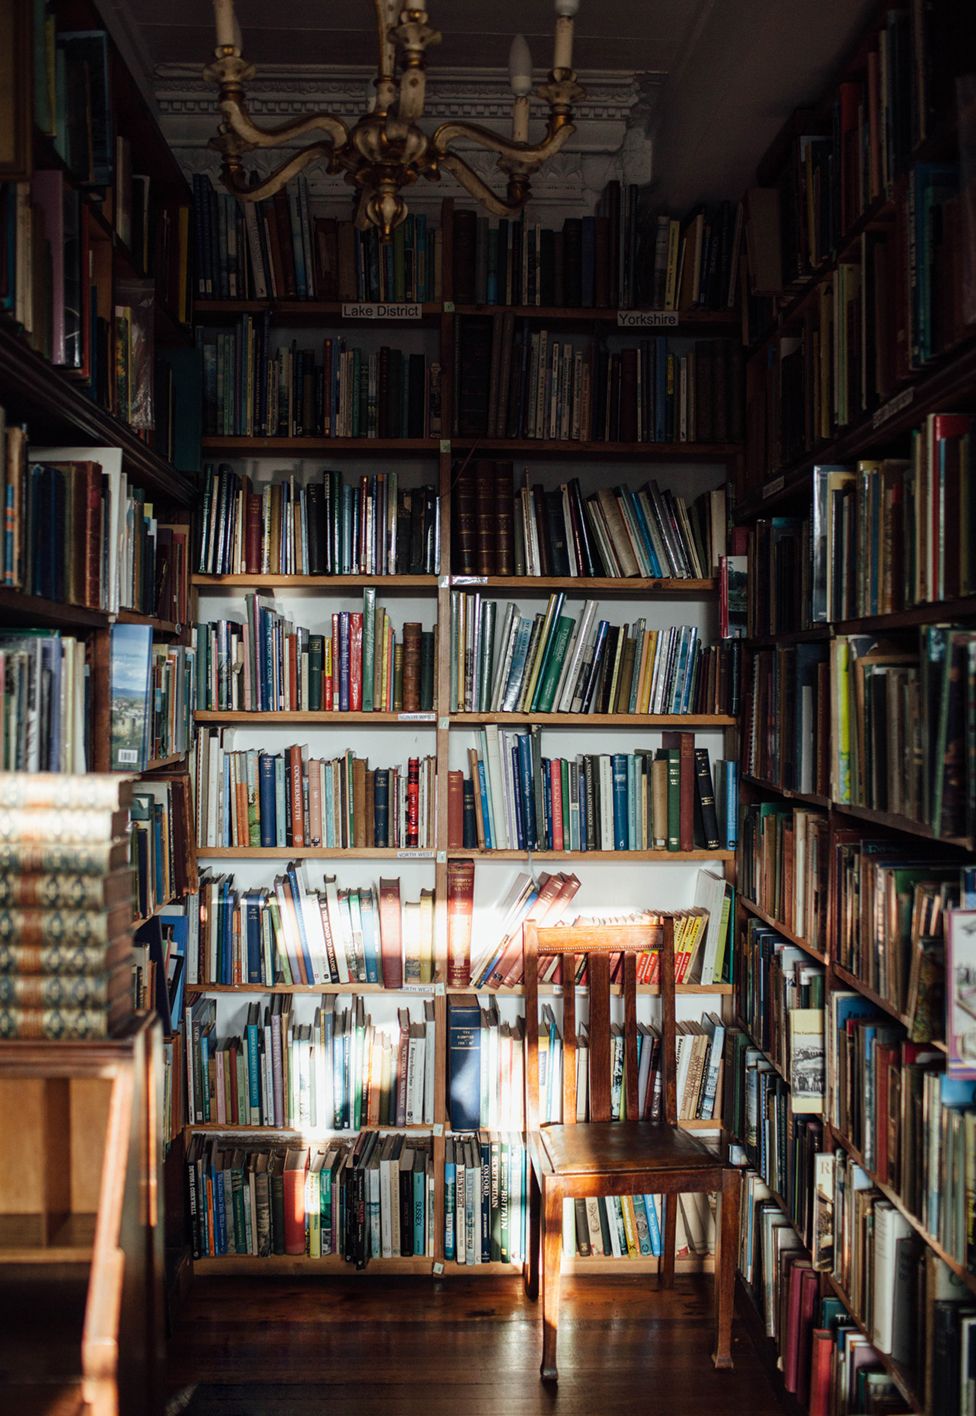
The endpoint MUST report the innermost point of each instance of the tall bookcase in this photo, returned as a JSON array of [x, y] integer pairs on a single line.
[[638, 878], [849, 366]]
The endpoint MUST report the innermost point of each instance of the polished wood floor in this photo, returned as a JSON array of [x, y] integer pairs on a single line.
[[256, 1347]]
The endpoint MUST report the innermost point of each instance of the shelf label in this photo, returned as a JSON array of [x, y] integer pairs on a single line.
[[415, 855], [646, 319], [425, 717], [373, 310], [438, 1270], [444, 583], [415, 988], [449, 307], [438, 1128], [440, 989], [445, 445], [893, 406], [444, 723], [469, 580], [773, 487], [442, 857]]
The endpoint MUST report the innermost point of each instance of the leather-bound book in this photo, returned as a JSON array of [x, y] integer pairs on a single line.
[[411, 667], [460, 911], [485, 526], [504, 518], [463, 550], [465, 256], [391, 938]]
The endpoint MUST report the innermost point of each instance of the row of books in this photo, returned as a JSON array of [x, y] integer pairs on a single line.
[[161, 841], [255, 387], [890, 919], [153, 697], [911, 1303], [370, 1198], [777, 1143], [785, 866], [703, 939], [77, 532], [617, 257], [269, 664], [278, 249], [372, 526], [543, 385], [826, 1359], [554, 663], [291, 933], [66, 961], [789, 718], [486, 1197], [903, 741], [45, 702], [499, 529], [265, 799], [650, 799], [340, 1071], [780, 999]]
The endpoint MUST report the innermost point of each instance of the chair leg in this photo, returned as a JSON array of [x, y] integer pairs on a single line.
[[552, 1255], [530, 1269], [670, 1239], [725, 1268]]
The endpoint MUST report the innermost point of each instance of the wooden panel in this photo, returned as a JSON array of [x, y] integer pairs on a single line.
[[90, 1099]]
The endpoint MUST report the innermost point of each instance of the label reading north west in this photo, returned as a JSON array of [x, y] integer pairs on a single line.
[[373, 310]]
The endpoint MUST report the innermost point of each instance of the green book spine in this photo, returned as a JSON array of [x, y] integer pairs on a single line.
[[316, 659], [240, 1225], [325, 1211], [549, 680], [369, 646], [674, 799]]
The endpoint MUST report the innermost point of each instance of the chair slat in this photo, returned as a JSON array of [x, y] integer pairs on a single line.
[[598, 974], [630, 1034]]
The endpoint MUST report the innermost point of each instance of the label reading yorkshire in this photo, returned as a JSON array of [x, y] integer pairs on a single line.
[[646, 319], [363, 310]]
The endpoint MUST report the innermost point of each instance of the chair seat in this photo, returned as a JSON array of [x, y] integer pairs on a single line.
[[622, 1147]]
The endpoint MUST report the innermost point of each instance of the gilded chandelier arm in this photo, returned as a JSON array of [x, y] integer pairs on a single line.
[[480, 190], [232, 175], [239, 122], [526, 154], [386, 15]]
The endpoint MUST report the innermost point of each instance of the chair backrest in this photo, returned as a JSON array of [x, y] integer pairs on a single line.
[[597, 943]]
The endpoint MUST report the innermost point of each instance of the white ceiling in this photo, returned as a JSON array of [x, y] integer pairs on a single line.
[[726, 73]]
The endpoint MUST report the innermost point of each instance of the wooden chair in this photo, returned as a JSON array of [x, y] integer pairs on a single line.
[[604, 1157]]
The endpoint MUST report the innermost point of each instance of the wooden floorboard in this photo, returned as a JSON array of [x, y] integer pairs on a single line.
[[276, 1347]]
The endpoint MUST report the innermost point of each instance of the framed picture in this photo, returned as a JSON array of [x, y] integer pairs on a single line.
[[16, 105], [961, 993]]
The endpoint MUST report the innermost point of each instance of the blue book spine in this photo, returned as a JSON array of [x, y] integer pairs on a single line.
[[220, 1215], [637, 511], [633, 797], [486, 1202], [464, 1065], [450, 1201], [226, 926], [521, 649], [419, 1212], [545, 841], [730, 769], [485, 805], [517, 785], [653, 1227], [524, 745], [618, 764], [303, 937], [280, 814], [266, 802], [255, 973], [253, 1071]]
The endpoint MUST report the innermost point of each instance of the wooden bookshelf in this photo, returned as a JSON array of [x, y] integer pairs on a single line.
[[321, 718], [459, 853], [313, 853], [388, 584], [240, 446], [600, 720], [587, 586], [610, 451], [752, 908]]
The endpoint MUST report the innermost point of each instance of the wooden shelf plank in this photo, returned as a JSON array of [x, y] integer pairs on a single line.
[[903, 1379], [718, 990], [163, 764], [300, 1265], [319, 446], [321, 718], [796, 939], [645, 451], [17, 607], [582, 586], [158, 626], [311, 853], [309, 311], [694, 320], [459, 853], [602, 720], [808, 798], [257, 581], [309, 1132]]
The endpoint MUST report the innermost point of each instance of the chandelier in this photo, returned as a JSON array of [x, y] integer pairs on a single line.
[[386, 150]]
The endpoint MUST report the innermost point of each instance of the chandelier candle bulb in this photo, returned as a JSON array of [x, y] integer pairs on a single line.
[[228, 34], [520, 79], [562, 57]]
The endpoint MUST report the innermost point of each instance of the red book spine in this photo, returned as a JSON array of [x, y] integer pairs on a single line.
[[252, 550], [93, 533], [820, 1384], [294, 1188], [356, 662], [460, 911], [297, 804], [413, 803], [556, 778]]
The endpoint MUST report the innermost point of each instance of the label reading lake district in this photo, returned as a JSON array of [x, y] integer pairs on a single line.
[[372, 310], [646, 319]]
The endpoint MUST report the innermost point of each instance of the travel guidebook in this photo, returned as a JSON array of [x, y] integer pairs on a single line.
[[131, 674]]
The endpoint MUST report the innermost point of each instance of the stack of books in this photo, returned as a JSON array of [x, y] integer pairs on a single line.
[[161, 841], [780, 999], [338, 1072], [486, 1198], [375, 526], [290, 933], [785, 860], [356, 1200], [66, 957], [45, 709]]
